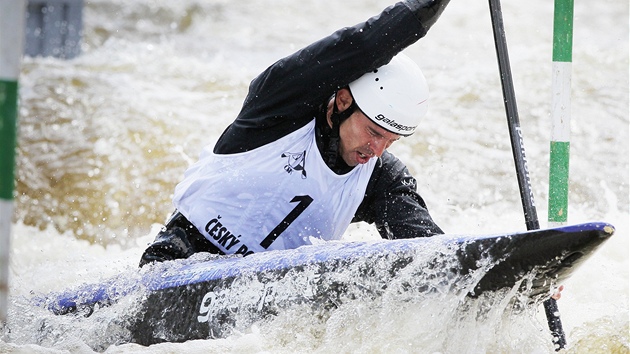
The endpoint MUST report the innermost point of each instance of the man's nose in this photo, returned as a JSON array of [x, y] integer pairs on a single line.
[[378, 146]]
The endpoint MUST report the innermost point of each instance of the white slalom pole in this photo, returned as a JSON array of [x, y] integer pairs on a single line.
[[12, 22]]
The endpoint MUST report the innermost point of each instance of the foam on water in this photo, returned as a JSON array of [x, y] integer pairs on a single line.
[[105, 137]]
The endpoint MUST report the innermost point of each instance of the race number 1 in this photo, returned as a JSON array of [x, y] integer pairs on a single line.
[[303, 202]]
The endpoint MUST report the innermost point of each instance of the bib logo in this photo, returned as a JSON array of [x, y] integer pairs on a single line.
[[295, 162]]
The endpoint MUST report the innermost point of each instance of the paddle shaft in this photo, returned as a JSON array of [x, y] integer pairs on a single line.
[[518, 150]]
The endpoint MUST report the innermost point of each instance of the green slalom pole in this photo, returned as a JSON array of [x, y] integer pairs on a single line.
[[12, 22], [560, 112], [560, 132]]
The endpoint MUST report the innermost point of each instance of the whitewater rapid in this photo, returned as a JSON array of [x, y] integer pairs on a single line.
[[105, 137]]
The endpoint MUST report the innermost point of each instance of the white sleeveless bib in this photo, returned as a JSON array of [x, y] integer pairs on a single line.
[[274, 197]]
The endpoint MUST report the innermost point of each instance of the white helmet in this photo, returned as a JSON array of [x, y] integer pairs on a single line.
[[394, 96]]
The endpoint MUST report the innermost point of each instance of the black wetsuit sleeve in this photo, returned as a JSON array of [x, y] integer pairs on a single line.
[[393, 204], [288, 94], [427, 11]]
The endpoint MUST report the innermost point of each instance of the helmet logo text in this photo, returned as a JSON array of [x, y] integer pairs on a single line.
[[392, 123]]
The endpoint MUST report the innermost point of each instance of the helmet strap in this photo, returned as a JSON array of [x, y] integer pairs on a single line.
[[336, 117]]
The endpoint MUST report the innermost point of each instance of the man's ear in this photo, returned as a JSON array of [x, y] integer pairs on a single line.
[[343, 99]]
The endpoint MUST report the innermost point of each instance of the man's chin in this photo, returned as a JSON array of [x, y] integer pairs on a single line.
[[350, 161]]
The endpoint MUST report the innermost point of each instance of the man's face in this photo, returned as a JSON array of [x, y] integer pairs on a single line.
[[361, 139]]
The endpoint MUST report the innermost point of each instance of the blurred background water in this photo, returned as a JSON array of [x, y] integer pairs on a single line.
[[105, 137]]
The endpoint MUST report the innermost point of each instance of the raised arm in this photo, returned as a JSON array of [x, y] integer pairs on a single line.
[[285, 96]]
